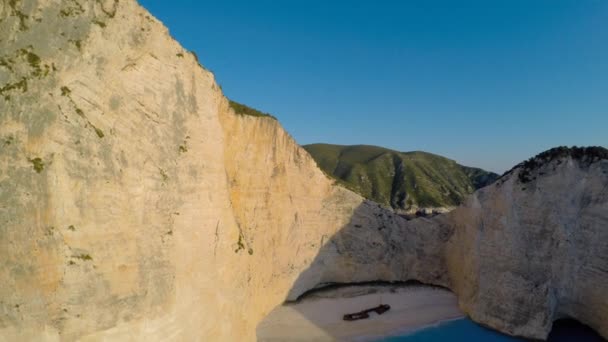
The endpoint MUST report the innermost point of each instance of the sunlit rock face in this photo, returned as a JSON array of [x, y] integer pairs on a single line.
[[523, 252], [135, 204], [533, 247]]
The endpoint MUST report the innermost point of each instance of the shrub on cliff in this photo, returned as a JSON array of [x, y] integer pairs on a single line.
[[245, 110], [585, 155]]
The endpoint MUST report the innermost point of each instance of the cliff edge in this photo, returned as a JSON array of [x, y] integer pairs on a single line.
[[136, 204], [519, 254], [533, 247]]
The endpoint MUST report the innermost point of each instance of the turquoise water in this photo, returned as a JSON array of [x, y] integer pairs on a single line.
[[466, 330], [456, 330]]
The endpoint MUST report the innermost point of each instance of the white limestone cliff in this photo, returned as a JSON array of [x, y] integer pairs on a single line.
[[519, 254], [135, 204], [526, 253]]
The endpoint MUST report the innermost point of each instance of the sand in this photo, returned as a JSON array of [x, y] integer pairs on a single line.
[[318, 317]]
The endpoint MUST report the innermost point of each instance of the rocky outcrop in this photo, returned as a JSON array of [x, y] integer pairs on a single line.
[[135, 204], [533, 247], [521, 253]]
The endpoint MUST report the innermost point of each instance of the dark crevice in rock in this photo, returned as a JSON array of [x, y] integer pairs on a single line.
[[322, 287], [566, 330]]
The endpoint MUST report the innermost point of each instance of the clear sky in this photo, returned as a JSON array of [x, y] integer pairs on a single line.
[[487, 83]]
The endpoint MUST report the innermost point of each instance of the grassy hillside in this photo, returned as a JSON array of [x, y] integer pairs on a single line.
[[242, 109], [400, 179]]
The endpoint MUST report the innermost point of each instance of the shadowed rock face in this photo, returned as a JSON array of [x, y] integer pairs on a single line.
[[526, 253], [135, 204], [519, 255]]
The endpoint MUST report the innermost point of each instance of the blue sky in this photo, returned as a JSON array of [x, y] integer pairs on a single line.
[[487, 83]]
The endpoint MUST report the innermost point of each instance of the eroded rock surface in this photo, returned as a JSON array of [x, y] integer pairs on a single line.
[[521, 253], [530, 250], [135, 204]]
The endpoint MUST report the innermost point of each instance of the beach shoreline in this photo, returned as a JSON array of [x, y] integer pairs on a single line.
[[318, 317], [406, 331]]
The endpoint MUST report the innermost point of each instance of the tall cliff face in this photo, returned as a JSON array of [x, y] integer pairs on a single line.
[[521, 253], [102, 212], [135, 204], [533, 247]]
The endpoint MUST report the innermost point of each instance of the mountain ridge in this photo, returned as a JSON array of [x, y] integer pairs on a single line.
[[405, 181]]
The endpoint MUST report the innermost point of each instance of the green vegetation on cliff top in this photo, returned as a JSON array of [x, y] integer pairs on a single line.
[[402, 180], [586, 155], [246, 110]]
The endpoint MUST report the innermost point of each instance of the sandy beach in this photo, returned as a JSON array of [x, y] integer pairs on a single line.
[[318, 317]]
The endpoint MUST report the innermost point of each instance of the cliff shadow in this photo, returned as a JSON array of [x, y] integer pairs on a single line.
[[566, 330], [378, 257]]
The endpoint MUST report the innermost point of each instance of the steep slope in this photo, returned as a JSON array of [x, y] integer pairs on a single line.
[[533, 247], [521, 253], [135, 204], [405, 181]]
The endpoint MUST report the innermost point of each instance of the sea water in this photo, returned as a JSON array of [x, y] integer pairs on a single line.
[[467, 330], [455, 330]]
